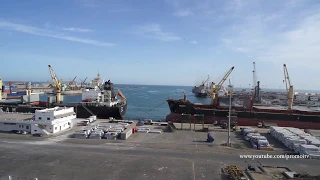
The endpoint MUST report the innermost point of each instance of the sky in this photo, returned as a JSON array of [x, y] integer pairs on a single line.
[[162, 42]]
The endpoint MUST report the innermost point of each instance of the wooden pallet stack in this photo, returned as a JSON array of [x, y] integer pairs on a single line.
[[234, 172]]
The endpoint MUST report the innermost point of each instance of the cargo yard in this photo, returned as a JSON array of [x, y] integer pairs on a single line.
[[163, 152]]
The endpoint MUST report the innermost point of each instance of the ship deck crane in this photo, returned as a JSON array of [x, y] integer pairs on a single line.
[[215, 88], [289, 87], [203, 85], [56, 84]]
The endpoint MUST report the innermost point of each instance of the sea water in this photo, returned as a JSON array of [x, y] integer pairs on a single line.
[[146, 101], [149, 101]]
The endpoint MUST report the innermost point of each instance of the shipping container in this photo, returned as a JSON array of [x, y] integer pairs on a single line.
[[17, 93], [8, 87]]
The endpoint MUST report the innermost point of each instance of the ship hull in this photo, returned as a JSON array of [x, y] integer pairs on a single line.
[[103, 112], [202, 95], [243, 117], [174, 117]]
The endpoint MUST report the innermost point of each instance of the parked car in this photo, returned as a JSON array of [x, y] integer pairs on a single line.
[[16, 131], [38, 135]]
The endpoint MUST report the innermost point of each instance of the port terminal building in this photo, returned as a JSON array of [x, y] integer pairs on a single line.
[[45, 121]]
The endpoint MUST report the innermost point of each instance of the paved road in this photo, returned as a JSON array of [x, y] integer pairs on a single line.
[[56, 160]]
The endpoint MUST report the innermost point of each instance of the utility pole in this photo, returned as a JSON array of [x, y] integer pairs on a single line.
[[230, 103]]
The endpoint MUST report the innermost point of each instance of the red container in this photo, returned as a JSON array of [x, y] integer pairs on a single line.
[[6, 91]]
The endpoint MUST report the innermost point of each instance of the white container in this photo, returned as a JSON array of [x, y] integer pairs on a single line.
[[93, 118]]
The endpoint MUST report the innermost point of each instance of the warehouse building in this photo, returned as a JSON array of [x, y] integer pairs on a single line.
[[45, 121]]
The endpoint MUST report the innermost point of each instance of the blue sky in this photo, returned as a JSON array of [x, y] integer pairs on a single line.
[[168, 42]]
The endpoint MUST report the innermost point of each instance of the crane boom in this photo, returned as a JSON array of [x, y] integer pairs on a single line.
[[289, 87], [286, 77], [56, 83], [215, 88], [225, 77]]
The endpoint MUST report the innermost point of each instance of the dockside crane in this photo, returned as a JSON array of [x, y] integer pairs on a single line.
[[216, 87], [72, 84], [56, 84], [83, 82], [1, 83], [289, 87], [254, 75]]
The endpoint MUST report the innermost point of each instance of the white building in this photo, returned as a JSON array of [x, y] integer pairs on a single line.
[[46, 121], [301, 97], [314, 98]]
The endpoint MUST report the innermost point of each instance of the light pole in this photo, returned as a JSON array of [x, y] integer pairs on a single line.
[[230, 103]]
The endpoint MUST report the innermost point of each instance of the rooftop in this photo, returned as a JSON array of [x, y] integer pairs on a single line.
[[16, 116], [53, 109]]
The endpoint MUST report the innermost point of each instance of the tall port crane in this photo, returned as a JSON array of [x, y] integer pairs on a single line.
[[216, 87], [256, 85], [1, 88], [289, 87], [254, 75], [56, 84]]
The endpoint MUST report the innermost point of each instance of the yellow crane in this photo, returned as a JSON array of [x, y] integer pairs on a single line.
[[289, 87], [216, 87], [56, 84]]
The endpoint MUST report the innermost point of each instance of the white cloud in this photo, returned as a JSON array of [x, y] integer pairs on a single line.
[[52, 34], [194, 42], [183, 13], [76, 29], [154, 31]]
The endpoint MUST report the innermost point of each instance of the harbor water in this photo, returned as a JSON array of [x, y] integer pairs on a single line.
[[149, 101], [145, 101]]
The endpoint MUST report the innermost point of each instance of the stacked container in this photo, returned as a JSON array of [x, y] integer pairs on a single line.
[[311, 150], [297, 140]]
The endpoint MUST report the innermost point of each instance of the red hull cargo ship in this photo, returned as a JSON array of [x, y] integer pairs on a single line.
[[251, 116]]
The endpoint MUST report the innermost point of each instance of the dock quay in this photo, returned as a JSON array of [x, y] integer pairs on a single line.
[[171, 154]]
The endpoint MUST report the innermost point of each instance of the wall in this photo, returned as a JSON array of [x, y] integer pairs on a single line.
[[49, 114], [91, 95], [14, 126], [61, 126]]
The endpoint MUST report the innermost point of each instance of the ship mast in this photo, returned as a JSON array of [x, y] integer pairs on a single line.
[[215, 88], [289, 87]]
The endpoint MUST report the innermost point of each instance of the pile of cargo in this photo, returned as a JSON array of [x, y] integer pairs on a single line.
[[256, 140], [297, 140], [99, 131]]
